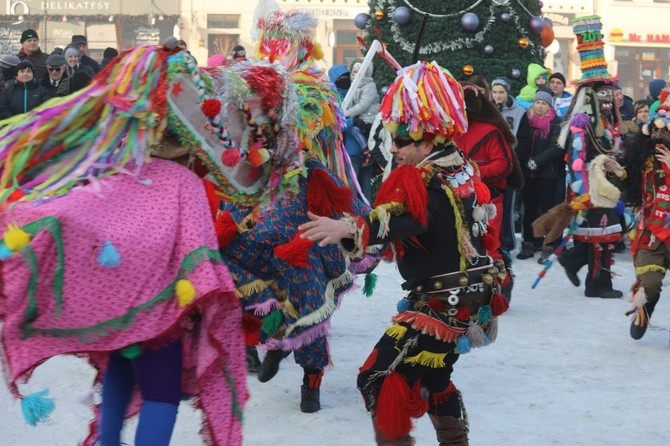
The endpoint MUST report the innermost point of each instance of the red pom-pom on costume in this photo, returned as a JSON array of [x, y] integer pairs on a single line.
[[226, 229], [498, 304], [437, 305], [251, 326], [325, 197], [483, 193], [295, 251], [231, 157], [463, 314], [397, 404], [211, 107]]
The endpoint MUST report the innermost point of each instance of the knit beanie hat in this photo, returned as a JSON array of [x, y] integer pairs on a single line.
[[25, 63], [71, 51], [502, 81], [558, 76], [544, 94], [28, 34], [239, 51], [655, 87], [9, 61]]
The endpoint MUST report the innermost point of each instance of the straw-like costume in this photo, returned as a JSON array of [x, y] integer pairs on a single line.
[[106, 251]]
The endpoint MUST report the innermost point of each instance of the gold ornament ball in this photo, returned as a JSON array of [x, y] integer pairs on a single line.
[[468, 70], [523, 42], [379, 14]]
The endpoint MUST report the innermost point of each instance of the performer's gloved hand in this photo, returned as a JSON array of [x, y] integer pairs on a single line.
[[531, 165]]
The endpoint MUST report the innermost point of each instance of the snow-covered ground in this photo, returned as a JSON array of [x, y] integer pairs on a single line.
[[564, 371]]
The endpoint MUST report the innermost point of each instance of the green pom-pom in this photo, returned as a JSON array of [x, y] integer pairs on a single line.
[[37, 407], [370, 284], [272, 322], [132, 351]]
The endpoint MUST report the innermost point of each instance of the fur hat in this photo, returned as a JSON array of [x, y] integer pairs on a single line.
[[655, 87], [29, 34], [544, 94]]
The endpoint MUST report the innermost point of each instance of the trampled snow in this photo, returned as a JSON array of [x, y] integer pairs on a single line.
[[564, 371]]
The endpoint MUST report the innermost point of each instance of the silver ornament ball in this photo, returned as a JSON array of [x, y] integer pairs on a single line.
[[402, 15], [516, 73], [536, 24], [361, 20], [488, 49], [470, 21]]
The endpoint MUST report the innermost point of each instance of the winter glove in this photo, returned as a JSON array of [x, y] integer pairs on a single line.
[[531, 165]]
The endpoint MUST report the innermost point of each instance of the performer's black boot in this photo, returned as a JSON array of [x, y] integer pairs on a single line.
[[270, 365], [450, 431], [309, 391], [253, 361]]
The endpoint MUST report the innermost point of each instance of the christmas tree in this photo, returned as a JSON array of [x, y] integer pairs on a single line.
[[488, 37]]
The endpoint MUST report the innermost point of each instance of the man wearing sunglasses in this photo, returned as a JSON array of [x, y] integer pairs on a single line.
[[432, 215], [55, 71]]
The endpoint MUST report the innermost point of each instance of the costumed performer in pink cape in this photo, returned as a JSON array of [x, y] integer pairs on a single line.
[[110, 255]]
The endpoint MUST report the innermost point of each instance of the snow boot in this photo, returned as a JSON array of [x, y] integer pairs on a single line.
[[527, 251], [156, 424], [604, 294], [450, 431], [382, 440], [547, 251], [270, 365], [309, 399], [253, 361]]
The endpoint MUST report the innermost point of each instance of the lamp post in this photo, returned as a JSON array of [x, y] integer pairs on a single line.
[[46, 36]]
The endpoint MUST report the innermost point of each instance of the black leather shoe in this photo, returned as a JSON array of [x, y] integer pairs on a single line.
[[309, 399], [637, 331], [572, 276], [605, 294], [270, 365]]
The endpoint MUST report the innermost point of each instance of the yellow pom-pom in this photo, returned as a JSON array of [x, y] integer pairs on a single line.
[[16, 238], [416, 135], [392, 127], [185, 292], [317, 52]]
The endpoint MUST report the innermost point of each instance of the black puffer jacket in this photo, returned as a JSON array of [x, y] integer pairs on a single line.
[[546, 153], [20, 98]]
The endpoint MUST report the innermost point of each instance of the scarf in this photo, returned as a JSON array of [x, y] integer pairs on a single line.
[[540, 125]]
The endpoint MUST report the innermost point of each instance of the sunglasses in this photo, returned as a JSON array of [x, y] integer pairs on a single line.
[[402, 141], [54, 68]]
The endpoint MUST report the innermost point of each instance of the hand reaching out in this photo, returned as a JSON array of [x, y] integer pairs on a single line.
[[324, 230], [663, 154]]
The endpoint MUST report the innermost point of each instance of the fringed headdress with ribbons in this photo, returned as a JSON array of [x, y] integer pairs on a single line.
[[425, 102], [103, 128]]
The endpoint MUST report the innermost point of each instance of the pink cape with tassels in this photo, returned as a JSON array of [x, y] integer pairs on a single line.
[[161, 226]]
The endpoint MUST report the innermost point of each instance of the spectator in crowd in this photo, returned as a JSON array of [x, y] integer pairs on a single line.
[[216, 60], [107, 56], [623, 103], [82, 43], [55, 69], [8, 65], [72, 65], [30, 49], [655, 88], [544, 170], [562, 98], [512, 112], [181, 44], [73, 83], [535, 78], [239, 54], [480, 81], [24, 93]]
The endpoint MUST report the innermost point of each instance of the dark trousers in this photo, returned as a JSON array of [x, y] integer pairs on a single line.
[[508, 239], [597, 257], [434, 380], [538, 196]]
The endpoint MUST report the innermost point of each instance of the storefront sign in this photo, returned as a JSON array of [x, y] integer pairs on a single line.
[[559, 19], [10, 37], [83, 7], [618, 35]]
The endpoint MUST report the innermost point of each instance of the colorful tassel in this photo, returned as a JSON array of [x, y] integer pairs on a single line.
[[250, 327], [484, 314], [109, 257], [37, 407], [397, 404], [325, 197], [499, 304], [132, 351], [185, 292], [370, 284], [15, 238], [404, 305], [477, 336], [492, 330], [295, 252], [436, 305], [272, 322], [427, 359], [396, 331], [463, 345]]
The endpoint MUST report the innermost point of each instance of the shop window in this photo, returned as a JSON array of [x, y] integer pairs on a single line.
[[224, 21]]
